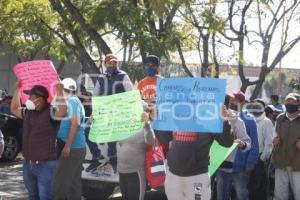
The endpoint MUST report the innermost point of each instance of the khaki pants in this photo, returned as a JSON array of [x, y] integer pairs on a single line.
[[67, 183], [283, 179], [188, 188]]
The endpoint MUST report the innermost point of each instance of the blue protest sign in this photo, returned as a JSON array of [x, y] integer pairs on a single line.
[[190, 104]]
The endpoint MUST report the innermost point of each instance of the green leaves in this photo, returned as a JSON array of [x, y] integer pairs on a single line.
[[21, 27], [213, 22]]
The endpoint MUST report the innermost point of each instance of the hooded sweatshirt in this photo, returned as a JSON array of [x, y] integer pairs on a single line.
[[247, 159], [265, 133], [131, 152], [239, 132]]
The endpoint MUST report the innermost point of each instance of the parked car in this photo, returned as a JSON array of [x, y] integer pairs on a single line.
[[11, 128], [101, 182]]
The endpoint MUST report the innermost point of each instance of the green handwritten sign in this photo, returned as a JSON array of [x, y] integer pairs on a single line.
[[116, 117], [218, 154]]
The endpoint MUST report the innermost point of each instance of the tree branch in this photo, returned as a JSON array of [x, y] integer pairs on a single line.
[[63, 38], [231, 17], [170, 16], [94, 35], [81, 49], [187, 71]]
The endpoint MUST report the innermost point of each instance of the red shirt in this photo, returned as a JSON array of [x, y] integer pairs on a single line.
[[147, 88]]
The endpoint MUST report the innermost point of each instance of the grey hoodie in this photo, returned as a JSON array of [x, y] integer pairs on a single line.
[[131, 152]]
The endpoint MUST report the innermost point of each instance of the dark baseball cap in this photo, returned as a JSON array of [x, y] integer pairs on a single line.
[[152, 59], [38, 90]]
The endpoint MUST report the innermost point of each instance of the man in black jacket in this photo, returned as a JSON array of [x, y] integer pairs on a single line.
[[188, 160]]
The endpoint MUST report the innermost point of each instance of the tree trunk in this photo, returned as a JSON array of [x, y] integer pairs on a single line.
[[130, 51], [94, 35], [185, 68], [217, 66], [61, 66], [90, 66], [205, 63], [125, 44], [245, 82], [258, 87], [257, 90]]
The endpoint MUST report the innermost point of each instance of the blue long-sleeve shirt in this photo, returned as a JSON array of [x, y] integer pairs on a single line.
[[248, 159]]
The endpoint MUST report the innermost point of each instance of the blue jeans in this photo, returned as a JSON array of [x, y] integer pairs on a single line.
[[226, 180], [39, 179]]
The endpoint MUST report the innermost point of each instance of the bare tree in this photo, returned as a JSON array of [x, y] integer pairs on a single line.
[[278, 12]]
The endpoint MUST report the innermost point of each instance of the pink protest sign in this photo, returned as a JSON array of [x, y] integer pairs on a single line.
[[37, 72]]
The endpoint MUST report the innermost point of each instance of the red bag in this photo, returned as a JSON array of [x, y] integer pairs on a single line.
[[155, 166]]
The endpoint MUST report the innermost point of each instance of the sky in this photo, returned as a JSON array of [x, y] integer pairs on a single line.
[[253, 52]]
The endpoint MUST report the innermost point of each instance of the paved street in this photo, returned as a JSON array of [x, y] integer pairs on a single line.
[[11, 181], [12, 186]]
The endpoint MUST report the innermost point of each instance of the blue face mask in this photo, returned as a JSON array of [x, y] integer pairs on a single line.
[[150, 71], [111, 70]]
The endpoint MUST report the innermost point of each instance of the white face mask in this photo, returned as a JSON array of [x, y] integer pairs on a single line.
[[30, 105]]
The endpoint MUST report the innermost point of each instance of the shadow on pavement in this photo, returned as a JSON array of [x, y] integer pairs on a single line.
[[11, 181]]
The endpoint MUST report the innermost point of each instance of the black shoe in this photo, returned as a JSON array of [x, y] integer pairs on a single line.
[[95, 164]]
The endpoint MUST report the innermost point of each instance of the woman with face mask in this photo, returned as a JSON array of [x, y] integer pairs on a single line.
[[286, 154]]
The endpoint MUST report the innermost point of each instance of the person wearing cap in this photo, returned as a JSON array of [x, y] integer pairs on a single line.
[[247, 160], [272, 113], [113, 82], [286, 154], [265, 133], [226, 176], [40, 128], [275, 102], [147, 86], [71, 146]]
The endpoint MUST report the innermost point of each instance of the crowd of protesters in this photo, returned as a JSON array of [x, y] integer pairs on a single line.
[[265, 163]]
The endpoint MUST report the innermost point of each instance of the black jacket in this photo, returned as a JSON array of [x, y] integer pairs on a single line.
[[189, 152]]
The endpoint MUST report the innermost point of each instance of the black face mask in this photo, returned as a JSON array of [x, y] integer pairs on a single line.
[[290, 108]]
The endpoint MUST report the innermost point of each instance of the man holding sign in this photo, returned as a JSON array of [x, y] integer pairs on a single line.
[[191, 107], [228, 175], [40, 127], [113, 82]]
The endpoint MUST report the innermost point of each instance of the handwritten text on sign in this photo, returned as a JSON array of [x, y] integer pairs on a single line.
[[116, 117], [190, 104], [37, 72]]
